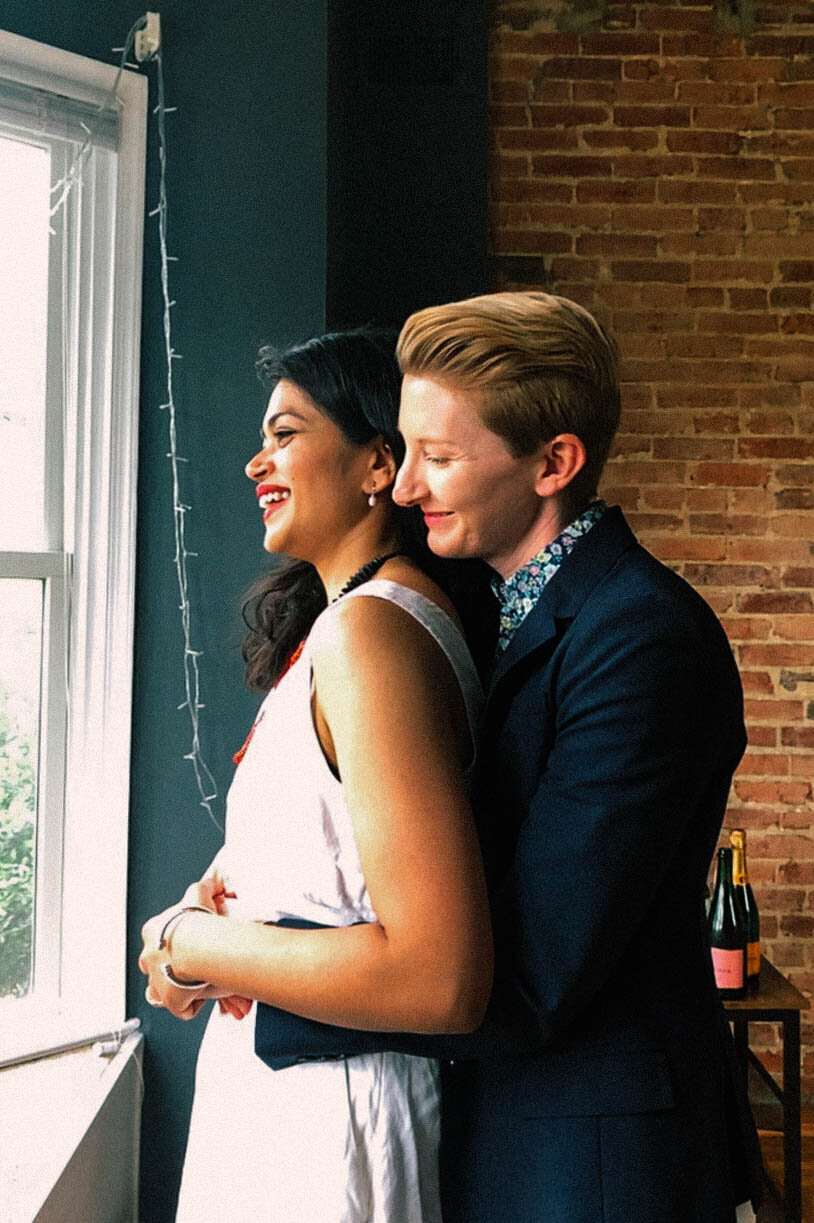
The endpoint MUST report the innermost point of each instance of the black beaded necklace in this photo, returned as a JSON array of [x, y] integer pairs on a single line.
[[365, 573]]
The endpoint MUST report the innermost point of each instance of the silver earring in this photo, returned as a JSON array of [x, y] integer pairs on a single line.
[[372, 498]]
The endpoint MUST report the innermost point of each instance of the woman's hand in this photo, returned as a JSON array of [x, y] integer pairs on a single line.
[[235, 1005], [210, 893], [182, 1003], [214, 891]]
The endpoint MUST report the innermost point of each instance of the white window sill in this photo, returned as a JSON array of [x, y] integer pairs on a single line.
[[32, 1028], [50, 1144]]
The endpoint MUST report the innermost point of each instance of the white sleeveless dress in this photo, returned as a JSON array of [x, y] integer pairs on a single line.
[[350, 1141]]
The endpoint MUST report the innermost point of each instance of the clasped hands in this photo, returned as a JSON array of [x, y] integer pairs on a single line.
[[211, 894]]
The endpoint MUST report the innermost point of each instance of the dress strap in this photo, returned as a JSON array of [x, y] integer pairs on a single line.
[[443, 630]]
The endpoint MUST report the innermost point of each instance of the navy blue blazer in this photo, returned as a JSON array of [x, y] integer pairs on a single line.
[[614, 725], [601, 1087]]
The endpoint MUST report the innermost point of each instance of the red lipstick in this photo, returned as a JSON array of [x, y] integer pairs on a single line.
[[271, 497]]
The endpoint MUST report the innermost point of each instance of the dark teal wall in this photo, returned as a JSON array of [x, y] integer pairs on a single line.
[[246, 184], [281, 177]]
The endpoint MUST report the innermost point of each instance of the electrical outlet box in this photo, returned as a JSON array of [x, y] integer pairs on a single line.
[[148, 38]]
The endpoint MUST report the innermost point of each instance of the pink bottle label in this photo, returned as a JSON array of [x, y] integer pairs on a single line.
[[728, 967]]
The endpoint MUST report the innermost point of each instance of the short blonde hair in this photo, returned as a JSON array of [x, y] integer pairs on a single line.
[[536, 365]]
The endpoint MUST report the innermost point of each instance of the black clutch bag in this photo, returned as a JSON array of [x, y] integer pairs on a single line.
[[282, 1039]]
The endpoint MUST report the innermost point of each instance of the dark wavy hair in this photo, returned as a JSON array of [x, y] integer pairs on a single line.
[[353, 378]]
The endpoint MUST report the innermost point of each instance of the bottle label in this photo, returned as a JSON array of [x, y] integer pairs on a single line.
[[753, 959], [728, 967]]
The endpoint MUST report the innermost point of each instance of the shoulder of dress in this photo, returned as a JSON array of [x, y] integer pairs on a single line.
[[349, 625]]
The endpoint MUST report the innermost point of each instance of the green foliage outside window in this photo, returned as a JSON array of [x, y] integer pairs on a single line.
[[17, 839]]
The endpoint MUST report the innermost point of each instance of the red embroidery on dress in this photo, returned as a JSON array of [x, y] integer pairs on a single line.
[[241, 752], [238, 756]]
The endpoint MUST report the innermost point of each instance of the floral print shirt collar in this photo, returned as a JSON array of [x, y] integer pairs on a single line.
[[522, 589]]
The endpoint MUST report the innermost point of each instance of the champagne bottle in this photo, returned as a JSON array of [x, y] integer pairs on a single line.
[[740, 878], [727, 931]]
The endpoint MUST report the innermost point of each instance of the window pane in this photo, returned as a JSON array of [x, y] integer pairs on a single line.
[[20, 662], [25, 171]]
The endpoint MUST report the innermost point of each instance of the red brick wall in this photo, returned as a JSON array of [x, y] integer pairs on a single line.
[[655, 162]]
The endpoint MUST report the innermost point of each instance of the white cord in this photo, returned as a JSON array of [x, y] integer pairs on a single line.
[[204, 780]]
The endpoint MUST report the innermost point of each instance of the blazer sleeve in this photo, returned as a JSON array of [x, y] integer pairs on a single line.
[[648, 729]]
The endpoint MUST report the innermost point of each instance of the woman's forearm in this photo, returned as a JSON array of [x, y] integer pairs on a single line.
[[354, 976]]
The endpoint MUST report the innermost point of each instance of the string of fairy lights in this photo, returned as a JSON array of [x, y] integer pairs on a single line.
[[204, 780]]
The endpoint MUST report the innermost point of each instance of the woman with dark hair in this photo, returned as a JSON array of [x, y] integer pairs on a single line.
[[349, 889]]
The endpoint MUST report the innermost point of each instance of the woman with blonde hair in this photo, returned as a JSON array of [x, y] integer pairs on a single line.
[[613, 725]]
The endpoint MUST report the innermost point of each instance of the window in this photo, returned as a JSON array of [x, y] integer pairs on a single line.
[[69, 328]]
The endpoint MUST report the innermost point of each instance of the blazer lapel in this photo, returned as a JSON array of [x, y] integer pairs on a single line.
[[565, 594], [538, 627]]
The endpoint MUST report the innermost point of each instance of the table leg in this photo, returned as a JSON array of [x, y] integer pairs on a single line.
[[740, 1031], [792, 1173]]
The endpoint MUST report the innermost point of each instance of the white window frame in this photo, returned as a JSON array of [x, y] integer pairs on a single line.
[[82, 898]]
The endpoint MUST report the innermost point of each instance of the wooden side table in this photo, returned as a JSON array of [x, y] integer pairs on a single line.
[[777, 1001]]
